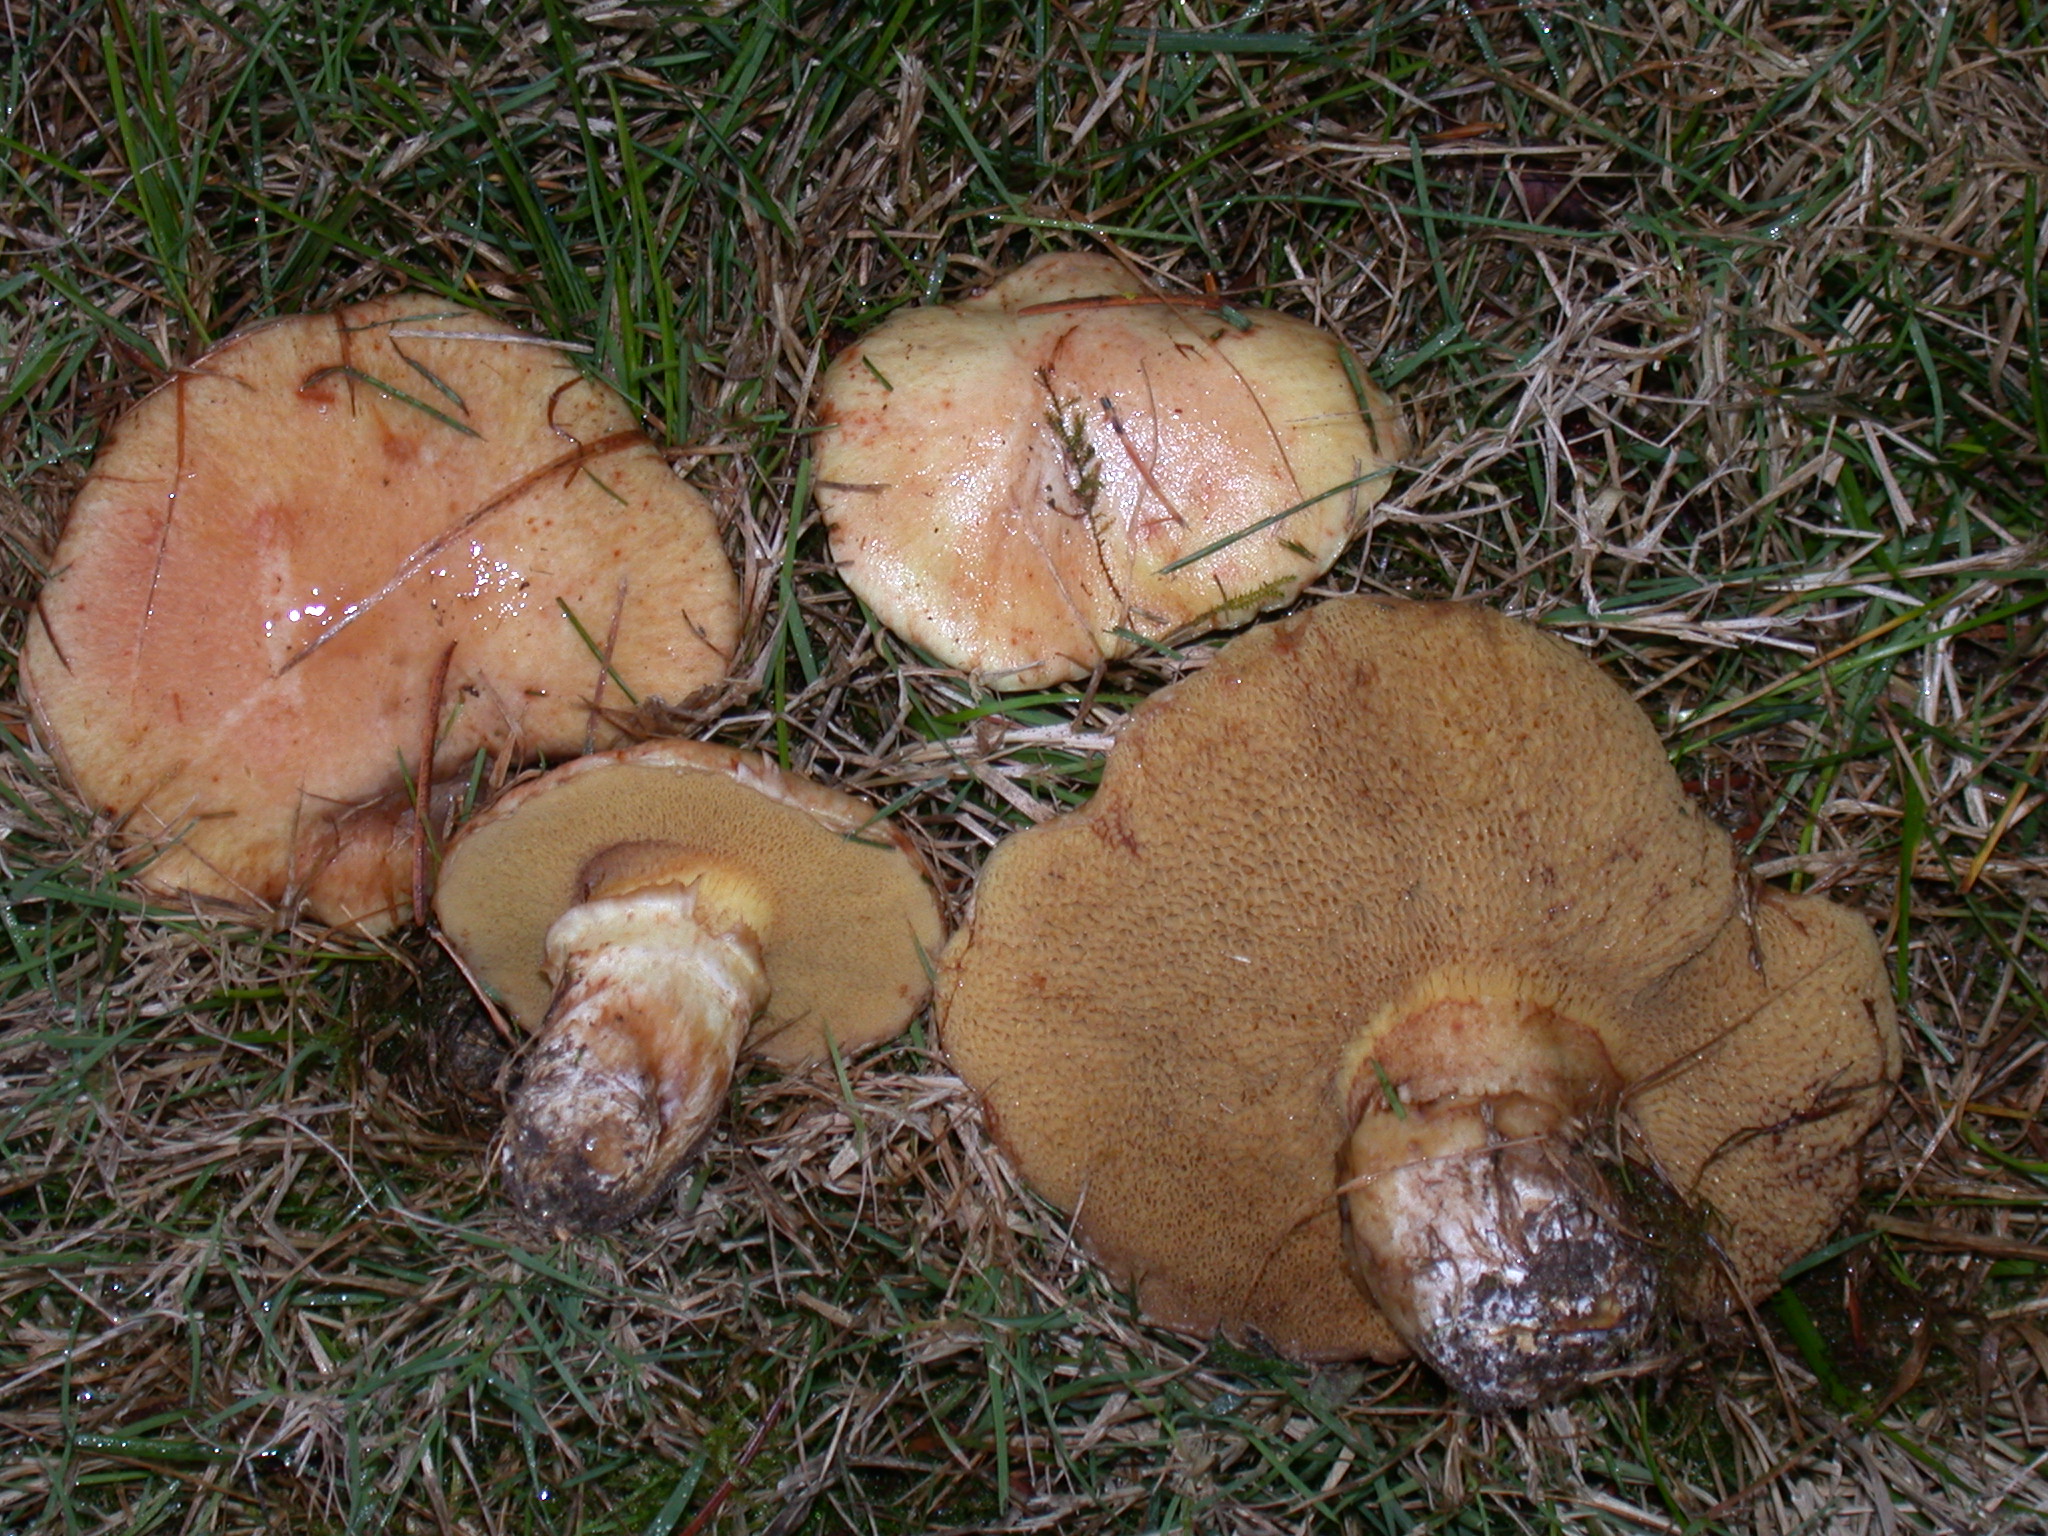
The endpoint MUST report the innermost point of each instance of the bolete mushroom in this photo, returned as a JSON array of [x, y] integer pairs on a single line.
[[1376, 926], [654, 911], [336, 538], [1047, 475]]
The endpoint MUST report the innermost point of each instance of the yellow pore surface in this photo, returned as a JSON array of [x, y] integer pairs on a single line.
[[847, 925]]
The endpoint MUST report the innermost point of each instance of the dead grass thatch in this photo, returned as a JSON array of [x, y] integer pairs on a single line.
[[1724, 333]]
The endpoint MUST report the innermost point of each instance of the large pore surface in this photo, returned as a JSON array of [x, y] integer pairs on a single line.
[[1799, 1050], [848, 925], [1007, 479], [1161, 998], [236, 650]]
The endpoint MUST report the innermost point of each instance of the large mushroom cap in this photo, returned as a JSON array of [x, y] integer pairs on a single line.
[[236, 650], [1008, 479], [847, 924], [1164, 998]]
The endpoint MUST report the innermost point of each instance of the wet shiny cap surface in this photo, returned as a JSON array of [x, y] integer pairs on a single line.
[[1039, 478], [276, 553]]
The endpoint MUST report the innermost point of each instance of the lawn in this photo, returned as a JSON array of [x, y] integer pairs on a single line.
[[1723, 335]]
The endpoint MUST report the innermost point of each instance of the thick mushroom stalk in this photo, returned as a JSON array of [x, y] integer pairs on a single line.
[[1482, 1230], [655, 988], [654, 913], [1489, 1241]]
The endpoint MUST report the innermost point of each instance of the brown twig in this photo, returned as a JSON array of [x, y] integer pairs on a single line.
[[1131, 451], [418, 560], [423, 782], [1952, 1237], [730, 1481]]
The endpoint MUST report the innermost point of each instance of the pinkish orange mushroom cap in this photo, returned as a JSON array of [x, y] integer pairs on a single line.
[[1306, 1015], [1040, 478], [235, 654]]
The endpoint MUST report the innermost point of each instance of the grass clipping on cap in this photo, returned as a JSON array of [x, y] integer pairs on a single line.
[[1724, 346]]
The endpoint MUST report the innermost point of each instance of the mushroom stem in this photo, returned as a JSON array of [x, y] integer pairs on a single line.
[[1473, 1217], [654, 991]]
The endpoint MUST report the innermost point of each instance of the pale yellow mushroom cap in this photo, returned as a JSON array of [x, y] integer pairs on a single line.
[[1163, 998], [847, 924], [1006, 488], [235, 652]]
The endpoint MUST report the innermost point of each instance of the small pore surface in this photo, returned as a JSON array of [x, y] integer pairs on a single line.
[[846, 920]]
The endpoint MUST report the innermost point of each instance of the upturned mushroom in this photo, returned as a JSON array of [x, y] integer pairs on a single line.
[[1376, 929], [1047, 475], [342, 551], [652, 913]]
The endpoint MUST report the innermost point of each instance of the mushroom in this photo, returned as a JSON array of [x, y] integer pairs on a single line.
[[339, 544], [1045, 476], [1316, 1015], [654, 911]]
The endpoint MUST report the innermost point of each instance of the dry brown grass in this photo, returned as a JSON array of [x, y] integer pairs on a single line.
[[1724, 332]]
